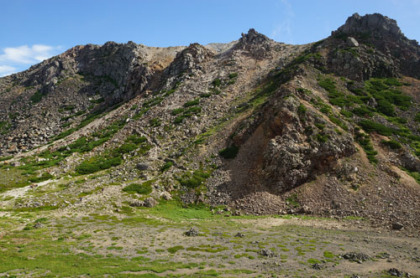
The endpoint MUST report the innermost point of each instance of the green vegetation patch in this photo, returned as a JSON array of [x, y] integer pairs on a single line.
[[329, 255], [4, 127], [371, 126], [217, 82], [208, 248], [81, 145], [112, 158], [183, 113], [229, 152], [192, 102], [386, 93], [37, 97], [364, 141], [417, 117], [194, 179], [45, 176], [155, 122], [144, 188], [12, 178], [166, 166], [175, 249], [414, 174], [97, 163], [395, 145]]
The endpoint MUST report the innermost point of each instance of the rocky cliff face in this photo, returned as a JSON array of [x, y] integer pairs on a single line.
[[329, 128], [379, 35]]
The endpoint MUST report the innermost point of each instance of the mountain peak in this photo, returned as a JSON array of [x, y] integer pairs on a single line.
[[256, 44], [371, 23], [253, 37]]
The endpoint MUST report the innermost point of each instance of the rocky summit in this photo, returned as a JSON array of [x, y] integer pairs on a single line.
[[326, 130]]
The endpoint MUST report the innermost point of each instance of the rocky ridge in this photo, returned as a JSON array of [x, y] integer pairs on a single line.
[[328, 128]]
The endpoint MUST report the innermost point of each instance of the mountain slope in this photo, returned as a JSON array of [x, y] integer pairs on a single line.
[[329, 128]]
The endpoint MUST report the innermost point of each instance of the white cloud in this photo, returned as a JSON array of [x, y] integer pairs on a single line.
[[283, 30], [17, 58], [25, 54], [6, 70]]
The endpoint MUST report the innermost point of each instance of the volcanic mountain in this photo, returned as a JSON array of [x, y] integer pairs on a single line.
[[330, 128]]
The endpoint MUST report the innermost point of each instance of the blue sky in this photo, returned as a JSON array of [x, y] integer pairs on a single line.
[[33, 30]]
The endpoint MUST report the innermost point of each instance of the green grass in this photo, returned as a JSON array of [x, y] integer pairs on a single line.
[[37, 97], [4, 127], [301, 110], [166, 166], [144, 188], [414, 174], [207, 248], [81, 145], [233, 75], [4, 158], [41, 255], [371, 126], [183, 113], [178, 111], [313, 261], [216, 82], [192, 102], [97, 163], [321, 137], [364, 141], [328, 255], [175, 249], [417, 117], [45, 176], [363, 111], [112, 158], [193, 179], [155, 122], [383, 90], [395, 145], [205, 95], [174, 211], [293, 201], [12, 177]]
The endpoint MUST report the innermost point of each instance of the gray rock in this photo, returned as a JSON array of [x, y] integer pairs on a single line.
[[267, 253], [137, 203], [397, 226], [142, 166], [352, 42], [150, 202], [395, 272], [192, 232], [166, 195], [356, 257], [317, 266], [38, 225]]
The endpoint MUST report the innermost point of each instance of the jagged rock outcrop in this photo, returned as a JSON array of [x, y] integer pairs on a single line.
[[360, 62], [393, 53], [188, 62], [381, 26], [288, 146], [255, 44]]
